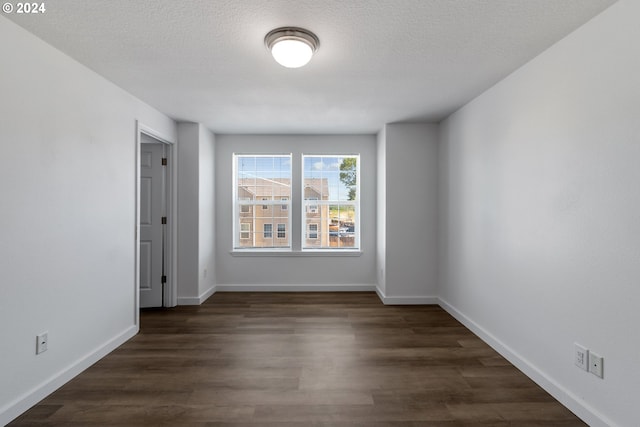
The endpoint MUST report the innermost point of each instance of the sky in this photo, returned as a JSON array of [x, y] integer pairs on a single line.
[[279, 166]]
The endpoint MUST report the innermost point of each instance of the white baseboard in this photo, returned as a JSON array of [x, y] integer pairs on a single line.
[[295, 288], [564, 396], [22, 403], [273, 288], [206, 294], [406, 300], [189, 301], [199, 299]]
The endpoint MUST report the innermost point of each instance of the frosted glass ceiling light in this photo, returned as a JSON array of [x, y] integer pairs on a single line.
[[291, 47]]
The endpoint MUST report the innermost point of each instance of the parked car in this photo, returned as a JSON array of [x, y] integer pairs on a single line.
[[347, 231]]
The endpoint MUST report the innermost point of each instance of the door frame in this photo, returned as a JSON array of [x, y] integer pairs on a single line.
[[171, 267]]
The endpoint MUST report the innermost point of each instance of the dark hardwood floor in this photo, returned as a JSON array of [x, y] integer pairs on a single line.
[[300, 359]]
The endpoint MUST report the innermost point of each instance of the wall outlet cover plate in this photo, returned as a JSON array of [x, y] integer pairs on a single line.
[[596, 363], [581, 357], [42, 342]]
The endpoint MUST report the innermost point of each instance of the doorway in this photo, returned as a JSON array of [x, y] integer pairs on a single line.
[[155, 221]]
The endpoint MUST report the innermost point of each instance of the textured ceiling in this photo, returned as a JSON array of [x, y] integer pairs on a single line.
[[380, 61]]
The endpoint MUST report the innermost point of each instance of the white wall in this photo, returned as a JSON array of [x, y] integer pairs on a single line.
[[408, 266], [188, 211], [541, 215], [381, 211], [67, 180], [206, 214], [196, 247], [290, 271]]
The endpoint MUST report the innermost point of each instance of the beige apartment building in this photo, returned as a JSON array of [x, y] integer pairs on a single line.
[[267, 225]]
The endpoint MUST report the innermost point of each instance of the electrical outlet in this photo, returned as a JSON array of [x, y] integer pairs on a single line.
[[581, 357], [42, 342], [596, 363]]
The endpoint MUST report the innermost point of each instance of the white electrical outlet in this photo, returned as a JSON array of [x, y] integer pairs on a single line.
[[581, 357], [596, 365], [42, 342]]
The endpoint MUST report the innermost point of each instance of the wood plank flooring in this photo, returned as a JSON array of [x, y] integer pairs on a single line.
[[300, 359]]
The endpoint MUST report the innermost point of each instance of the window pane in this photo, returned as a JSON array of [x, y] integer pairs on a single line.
[[348, 177], [330, 202], [342, 220], [262, 198]]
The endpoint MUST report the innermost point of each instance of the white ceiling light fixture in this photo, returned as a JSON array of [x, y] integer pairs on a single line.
[[291, 47]]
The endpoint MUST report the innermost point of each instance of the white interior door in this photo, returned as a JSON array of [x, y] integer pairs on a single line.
[[152, 212]]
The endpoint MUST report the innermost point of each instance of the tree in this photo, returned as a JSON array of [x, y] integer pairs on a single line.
[[348, 175]]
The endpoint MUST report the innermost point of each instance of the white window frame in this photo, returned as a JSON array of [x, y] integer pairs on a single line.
[[298, 241], [309, 204], [238, 208]]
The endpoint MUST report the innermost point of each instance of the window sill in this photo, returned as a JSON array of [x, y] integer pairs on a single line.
[[309, 253]]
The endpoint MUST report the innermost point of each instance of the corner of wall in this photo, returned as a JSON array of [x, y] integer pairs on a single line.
[[188, 209], [381, 211], [198, 300], [407, 266], [206, 211]]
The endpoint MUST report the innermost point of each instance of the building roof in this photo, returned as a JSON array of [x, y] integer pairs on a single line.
[[281, 187]]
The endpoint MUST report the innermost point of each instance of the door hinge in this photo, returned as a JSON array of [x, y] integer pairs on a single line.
[[164, 219], [164, 161], [164, 279]]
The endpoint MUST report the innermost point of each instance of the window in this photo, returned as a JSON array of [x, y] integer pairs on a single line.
[[331, 202], [312, 232], [327, 202], [261, 181], [245, 208], [312, 208], [245, 230]]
